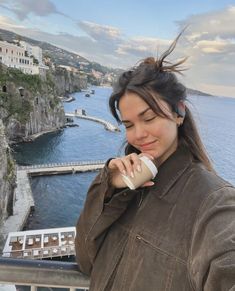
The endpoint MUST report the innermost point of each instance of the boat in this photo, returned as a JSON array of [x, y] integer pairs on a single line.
[[68, 99], [87, 95], [92, 91]]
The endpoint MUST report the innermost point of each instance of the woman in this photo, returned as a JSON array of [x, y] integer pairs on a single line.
[[176, 232]]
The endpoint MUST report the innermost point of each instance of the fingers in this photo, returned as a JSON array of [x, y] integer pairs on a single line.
[[127, 164], [148, 184]]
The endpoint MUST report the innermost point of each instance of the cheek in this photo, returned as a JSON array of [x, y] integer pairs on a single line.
[[165, 130], [130, 137]]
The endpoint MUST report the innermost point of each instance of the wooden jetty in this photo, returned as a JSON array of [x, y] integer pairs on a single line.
[[40, 244]]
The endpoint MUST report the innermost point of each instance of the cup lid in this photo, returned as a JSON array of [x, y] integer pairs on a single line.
[[152, 167]]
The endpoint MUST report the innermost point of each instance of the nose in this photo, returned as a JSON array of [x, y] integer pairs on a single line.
[[140, 132]]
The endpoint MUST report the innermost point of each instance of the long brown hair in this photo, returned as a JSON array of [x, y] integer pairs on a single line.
[[155, 79]]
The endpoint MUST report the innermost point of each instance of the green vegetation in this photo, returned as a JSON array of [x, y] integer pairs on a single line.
[[31, 82], [11, 101], [14, 105]]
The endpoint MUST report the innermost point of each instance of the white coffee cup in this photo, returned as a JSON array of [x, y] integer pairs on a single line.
[[148, 172]]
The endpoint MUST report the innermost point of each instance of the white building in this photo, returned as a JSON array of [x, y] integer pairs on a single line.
[[35, 51], [18, 57]]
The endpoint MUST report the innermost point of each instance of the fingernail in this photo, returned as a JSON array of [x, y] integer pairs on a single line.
[[124, 172], [132, 175], [139, 168]]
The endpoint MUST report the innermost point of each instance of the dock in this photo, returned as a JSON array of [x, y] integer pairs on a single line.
[[61, 168], [23, 203], [40, 244], [108, 125]]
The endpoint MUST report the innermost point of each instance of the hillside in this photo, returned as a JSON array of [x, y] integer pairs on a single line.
[[58, 55]]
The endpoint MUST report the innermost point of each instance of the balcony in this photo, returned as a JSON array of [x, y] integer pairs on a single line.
[[42, 273]]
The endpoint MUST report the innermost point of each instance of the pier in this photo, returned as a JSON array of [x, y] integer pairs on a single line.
[[61, 168], [109, 126], [23, 203]]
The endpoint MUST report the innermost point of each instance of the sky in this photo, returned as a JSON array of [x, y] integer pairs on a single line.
[[120, 33]]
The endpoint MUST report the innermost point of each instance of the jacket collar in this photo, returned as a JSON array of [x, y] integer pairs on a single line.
[[170, 171]]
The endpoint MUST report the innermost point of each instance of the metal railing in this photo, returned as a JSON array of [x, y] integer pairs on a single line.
[[42, 273]]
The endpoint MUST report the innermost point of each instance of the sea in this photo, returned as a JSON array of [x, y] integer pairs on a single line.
[[60, 198]]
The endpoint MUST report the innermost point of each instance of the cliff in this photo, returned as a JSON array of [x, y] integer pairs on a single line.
[[67, 81], [7, 177], [28, 105]]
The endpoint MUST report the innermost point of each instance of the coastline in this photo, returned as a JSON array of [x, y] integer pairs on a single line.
[[36, 135]]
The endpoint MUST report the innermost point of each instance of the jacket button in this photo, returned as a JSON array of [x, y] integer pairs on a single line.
[[124, 194], [138, 237]]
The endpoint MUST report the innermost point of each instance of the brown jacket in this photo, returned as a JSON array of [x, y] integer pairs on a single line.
[[177, 235]]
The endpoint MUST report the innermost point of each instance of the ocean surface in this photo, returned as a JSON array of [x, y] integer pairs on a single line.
[[59, 199]]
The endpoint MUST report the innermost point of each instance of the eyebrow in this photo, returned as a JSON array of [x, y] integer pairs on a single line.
[[140, 114]]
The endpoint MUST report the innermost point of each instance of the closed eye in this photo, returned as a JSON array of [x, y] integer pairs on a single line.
[[128, 126], [150, 119]]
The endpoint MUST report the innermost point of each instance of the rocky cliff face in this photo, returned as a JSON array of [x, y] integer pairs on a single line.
[[7, 177], [30, 111], [28, 106], [67, 82]]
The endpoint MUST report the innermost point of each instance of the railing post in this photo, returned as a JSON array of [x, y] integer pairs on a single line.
[[33, 288]]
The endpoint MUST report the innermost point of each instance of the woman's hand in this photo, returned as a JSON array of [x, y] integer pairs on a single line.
[[126, 165]]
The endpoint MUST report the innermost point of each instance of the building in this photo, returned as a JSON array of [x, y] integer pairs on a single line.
[[22, 57]]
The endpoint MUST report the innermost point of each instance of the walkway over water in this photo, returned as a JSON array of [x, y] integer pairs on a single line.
[[23, 199], [62, 168], [107, 125]]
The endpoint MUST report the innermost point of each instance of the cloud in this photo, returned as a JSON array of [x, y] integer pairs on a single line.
[[22, 8], [209, 42], [100, 32], [142, 46], [7, 23]]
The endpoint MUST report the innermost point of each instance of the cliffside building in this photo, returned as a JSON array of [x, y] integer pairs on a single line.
[[22, 56]]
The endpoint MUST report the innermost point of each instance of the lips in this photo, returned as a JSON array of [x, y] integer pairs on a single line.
[[147, 145]]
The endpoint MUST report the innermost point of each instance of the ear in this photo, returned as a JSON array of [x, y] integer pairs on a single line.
[[180, 109]]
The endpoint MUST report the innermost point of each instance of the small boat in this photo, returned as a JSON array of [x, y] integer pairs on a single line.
[[92, 91]]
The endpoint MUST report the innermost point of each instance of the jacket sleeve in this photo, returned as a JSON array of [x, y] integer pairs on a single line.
[[212, 257], [103, 206]]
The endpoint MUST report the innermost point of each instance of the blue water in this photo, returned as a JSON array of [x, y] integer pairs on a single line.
[[59, 199]]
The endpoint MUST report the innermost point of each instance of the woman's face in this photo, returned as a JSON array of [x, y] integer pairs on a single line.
[[147, 131]]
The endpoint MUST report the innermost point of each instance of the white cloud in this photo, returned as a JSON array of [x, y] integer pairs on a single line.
[[209, 41], [7, 23], [22, 8], [100, 32]]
